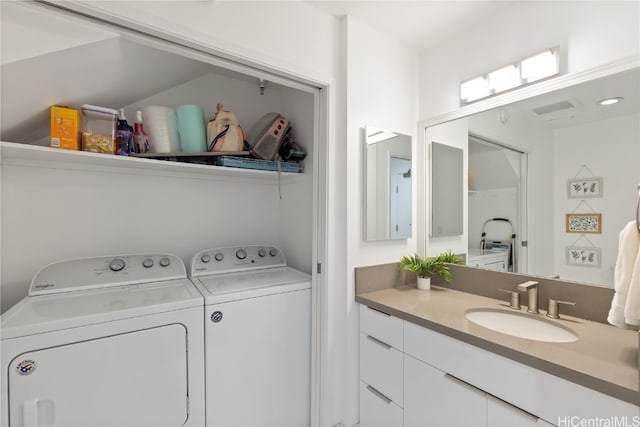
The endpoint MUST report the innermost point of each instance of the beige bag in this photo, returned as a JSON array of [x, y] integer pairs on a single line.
[[224, 133]]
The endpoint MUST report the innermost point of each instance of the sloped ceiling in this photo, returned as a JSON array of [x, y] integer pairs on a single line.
[[490, 168], [110, 73]]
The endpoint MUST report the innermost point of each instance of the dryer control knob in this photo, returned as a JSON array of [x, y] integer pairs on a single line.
[[164, 262], [205, 258], [273, 252], [219, 256], [116, 264], [262, 253], [147, 263], [241, 254]]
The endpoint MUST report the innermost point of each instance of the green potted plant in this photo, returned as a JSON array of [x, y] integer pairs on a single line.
[[426, 267]]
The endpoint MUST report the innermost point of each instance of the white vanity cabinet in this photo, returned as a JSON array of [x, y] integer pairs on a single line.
[[488, 259], [514, 390], [381, 369], [447, 382], [433, 398]]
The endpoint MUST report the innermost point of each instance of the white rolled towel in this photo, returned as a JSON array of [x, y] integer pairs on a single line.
[[626, 272]]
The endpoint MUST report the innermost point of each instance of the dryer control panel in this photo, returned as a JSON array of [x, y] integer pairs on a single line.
[[100, 272], [235, 258]]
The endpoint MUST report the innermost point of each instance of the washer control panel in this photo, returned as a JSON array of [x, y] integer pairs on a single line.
[[236, 258], [100, 272]]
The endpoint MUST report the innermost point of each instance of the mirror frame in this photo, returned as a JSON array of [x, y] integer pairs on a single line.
[[560, 82]]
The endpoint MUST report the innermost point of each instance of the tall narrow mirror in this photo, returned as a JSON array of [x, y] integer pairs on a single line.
[[446, 190], [388, 185]]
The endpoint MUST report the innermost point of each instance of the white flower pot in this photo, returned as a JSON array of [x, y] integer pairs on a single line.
[[424, 283]]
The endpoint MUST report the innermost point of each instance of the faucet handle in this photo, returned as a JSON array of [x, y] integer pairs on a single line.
[[515, 298], [553, 307], [527, 285]]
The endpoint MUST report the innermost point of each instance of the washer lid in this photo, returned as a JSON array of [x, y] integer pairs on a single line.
[[45, 313], [242, 285]]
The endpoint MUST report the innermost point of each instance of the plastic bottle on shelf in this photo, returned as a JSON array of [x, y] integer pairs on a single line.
[[140, 137], [124, 135]]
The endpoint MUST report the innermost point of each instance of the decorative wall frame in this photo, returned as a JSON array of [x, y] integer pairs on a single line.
[[584, 223], [581, 256], [584, 188]]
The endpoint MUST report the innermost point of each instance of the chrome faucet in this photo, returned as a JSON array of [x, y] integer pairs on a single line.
[[532, 295]]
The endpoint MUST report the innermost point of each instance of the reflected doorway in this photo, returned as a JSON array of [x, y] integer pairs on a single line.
[[497, 201], [400, 198]]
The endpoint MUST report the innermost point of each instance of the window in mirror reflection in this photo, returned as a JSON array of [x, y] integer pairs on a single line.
[[388, 179]]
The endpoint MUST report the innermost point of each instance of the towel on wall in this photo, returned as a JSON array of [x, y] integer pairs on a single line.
[[626, 299]]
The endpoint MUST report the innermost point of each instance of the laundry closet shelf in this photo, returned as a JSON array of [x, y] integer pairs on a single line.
[[16, 154]]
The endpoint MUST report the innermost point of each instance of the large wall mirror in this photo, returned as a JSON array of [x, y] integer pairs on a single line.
[[543, 162], [387, 185]]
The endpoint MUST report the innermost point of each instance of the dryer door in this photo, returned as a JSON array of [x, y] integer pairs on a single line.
[[133, 379]]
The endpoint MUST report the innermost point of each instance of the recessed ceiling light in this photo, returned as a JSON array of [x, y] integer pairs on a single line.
[[611, 101]]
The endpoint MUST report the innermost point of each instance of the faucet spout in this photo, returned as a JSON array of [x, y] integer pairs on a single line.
[[531, 288]]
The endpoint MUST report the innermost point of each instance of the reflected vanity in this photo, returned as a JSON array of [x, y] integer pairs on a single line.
[[387, 185]]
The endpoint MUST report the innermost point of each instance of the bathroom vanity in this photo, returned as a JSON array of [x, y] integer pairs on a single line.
[[488, 258], [422, 363]]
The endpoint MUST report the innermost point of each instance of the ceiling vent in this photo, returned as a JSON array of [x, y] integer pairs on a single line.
[[558, 110], [552, 108]]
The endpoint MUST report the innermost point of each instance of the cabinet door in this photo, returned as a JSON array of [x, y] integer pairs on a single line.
[[377, 410], [502, 414], [433, 398]]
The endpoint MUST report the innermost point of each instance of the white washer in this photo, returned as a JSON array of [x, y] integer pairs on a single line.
[[257, 337], [108, 341]]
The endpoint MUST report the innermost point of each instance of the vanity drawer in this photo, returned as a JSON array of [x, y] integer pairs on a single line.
[[384, 327], [381, 366], [378, 410]]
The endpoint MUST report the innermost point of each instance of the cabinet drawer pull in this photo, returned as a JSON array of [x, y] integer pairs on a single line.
[[464, 383], [377, 393], [377, 341], [471, 386], [379, 311]]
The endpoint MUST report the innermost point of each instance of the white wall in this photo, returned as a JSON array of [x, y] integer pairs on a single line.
[[381, 78], [617, 139], [589, 34], [50, 214]]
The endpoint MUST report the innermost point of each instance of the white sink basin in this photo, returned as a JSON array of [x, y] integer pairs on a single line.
[[521, 325]]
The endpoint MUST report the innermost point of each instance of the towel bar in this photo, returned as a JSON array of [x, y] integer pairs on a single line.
[[638, 210]]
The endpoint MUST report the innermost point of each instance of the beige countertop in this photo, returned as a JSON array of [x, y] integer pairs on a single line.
[[604, 358]]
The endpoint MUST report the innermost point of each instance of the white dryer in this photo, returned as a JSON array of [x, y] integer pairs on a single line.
[[108, 341], [257, 337]]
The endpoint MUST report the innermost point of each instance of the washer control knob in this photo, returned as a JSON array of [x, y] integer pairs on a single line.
[[262, 253], [147, 263], [205, 258], [241, 254], [116, 264], [164, 262], [219, 256], [273, 252]]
